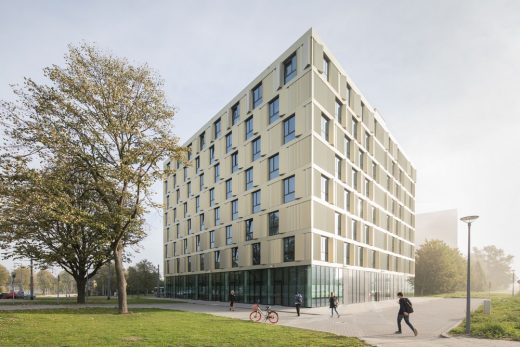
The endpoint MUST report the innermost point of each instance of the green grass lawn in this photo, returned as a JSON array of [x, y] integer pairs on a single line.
[[477, 295], [90, 300], [502, 323], [149, 327]]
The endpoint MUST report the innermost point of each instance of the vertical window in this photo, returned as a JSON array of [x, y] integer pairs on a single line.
[[197, 243], [256, 149], [288, 189], [202, 141], [337, 168], [217, 128], [212, 239], [274, 222], [217, 259], [354, 229], [212, 197], [229, 142], [235, 114], [211, 155], [229, 235], [249, 127], [324, 127], [201, 222], [174, 249], [249, 178], [217, 173], [201, 262], [274, 166], [346, 253], [360, 207], [249, 229], [354, 127], [197, 165], [256, 253], [346, 200], [367, 187], [185, 243], [234, 162], [185, 173], [274, 110], [217, 216], [354, 178], [167, 201], [255, 197], [337, 111], [288, 249], [374, 170], [324, 248], [361, 159], [229, 189], [346, 147], [289, 129], [185, 205], [326, 63], [257, 95], [234, 257], [189, 152], [324, 188], [289, 68], [234, 209], [174, 214], [360, 256], [189, 264], [197, 204], [366, 234], [367, 141], [201, 182], [166, 186], [349, 94], [175, 180], [188, 191], [337, 220], [178, 230], [373, 215]]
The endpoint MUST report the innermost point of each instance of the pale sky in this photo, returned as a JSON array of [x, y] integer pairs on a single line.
[[443, 74]]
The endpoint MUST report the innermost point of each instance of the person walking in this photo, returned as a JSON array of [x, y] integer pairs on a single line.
[[333, 304], [405, 308], [298, 300], [232, 299]]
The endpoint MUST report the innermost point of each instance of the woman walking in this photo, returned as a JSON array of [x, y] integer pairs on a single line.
[[333, 304], [232, 299]]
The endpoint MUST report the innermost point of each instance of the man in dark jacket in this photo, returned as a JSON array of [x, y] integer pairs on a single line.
[[405, 308], [298, 300]]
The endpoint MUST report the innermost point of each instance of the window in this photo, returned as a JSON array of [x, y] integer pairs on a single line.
[[337, 221], [178, 230], [257, 95], [337, 111], [289, 68], [324, 188], [229, 142], [166, 186], [235, 114], [234, 257], [249, 127], [337, 168], [211, 155], [324, 127], [249, 178], [274, 166], [324, 248], [212, 239], [217, 173], [289, 129], [359, 256], [249, 229], [201, 222], [174, 249], [167, 201], [366, 234], [274, 222], [175, 180], [255, 201], [185, 173], [217, 259], [288, 189], [361, 159], [234, 209], [326, 62], [234, 162], [360, 207], [201, 262], [256, 149], [212, 197], [367, 141], [185, 205], [354, 178], [349, 94], [373, 214], [197, 165], [217, 216], [188, 191], [185, 243], [217, 128], [354, 229], [354, 127], [202, 141], [346, 147], [189, 152], [166, 218], [201, 182], [174, 214], [189, 264], [346, 253], [229, 235], [197, 243], [288, 249], [274, 110], [197, 204], [229, 188], [256, 253], [346, 200], [374, 170], [367, 187]]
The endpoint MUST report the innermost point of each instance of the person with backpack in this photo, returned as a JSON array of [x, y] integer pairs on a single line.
[[405, 308], [298, 300], [232, 299], [333, 304]]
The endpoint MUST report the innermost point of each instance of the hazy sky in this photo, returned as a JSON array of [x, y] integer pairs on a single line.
[[443, 74]]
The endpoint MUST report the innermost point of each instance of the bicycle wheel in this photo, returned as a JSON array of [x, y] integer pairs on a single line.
[[255, 316], [273, 317]]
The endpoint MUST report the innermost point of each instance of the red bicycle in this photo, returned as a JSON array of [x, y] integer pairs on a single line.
[[268, 314]]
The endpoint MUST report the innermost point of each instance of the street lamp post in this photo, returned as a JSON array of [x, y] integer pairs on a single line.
[[468, 220]]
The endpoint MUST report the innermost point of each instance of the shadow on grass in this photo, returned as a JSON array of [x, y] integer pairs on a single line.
[[86, 311]]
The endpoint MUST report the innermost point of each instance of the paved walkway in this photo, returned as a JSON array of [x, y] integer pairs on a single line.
[[373, 322]]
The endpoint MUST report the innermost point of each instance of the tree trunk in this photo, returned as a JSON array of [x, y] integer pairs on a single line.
[[121, 280], [81, 284]]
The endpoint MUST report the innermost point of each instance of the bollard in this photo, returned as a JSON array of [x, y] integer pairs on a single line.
[[487, 306]]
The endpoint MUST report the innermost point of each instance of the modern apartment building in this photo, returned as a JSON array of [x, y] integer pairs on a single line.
[[295, 185]]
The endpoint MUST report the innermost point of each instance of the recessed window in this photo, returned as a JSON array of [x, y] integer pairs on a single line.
[[189, 226], [202, 141], [324, 248], [274, 110], [257, 95], [212, 197], [354, 179], [197, 164], [360, 207], [274, 166], [197, 243], [197, 204], [374, 171], [366, 234], [174, 249], [289, 129], [289, 189], [188, 191], [346, 147], [229, 235], [234, 209], [249, 229], [235, 114], [274, 223], [212, 239], [201, 222], [189, 152], [185, 173], [289, 68], [217, 216], [234, 162], [337, 222], [324, 188], [211, 154], [346, 200], [249, 127], [337, 111], [256, 149], [217, 259], [354, 127], [201, 182], [255, 201], [178, 230], [216, 173], [217, 127], [229, 142], [353, 229], [288, 249], [367, 141], [229, 189], [201, 262], [185, 205], [349, 94], [361, 158], [249, 178], [256, 253], [359, 256], [189, 264], [346, 253], [326, 63], [324, 127], [367, 187], [337, 167], [234, 257]]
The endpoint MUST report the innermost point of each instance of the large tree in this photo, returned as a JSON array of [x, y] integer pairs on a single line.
[[497, 265], [109, 118], [438, 269]]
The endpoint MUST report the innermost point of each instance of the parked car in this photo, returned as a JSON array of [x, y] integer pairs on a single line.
[[12, 295]]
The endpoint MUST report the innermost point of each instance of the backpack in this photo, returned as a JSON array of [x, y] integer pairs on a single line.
[[298, 298], [408, 305]]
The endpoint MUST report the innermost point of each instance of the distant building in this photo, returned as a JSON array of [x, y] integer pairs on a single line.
[[439, 225]]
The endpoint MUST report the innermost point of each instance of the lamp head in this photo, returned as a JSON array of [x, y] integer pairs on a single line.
[[469, 219]]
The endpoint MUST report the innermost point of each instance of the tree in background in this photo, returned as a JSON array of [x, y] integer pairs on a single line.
[[112, 121], [496, 264], [479, 280], [143, 278], [22, 280], [4, 279], [46, 282], [102, 280], [67, 283], [438, 269]]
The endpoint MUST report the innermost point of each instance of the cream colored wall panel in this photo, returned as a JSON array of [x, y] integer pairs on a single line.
[[276, 80], [334, 76], [267, 91], [323, 217], [274, 194], [356, 103], [275, 137], [302, 244], [323, 95], [324, 157], [245, 255], [343, 87], [275, 250], [260, 227], [317, 55], [305, 55]]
